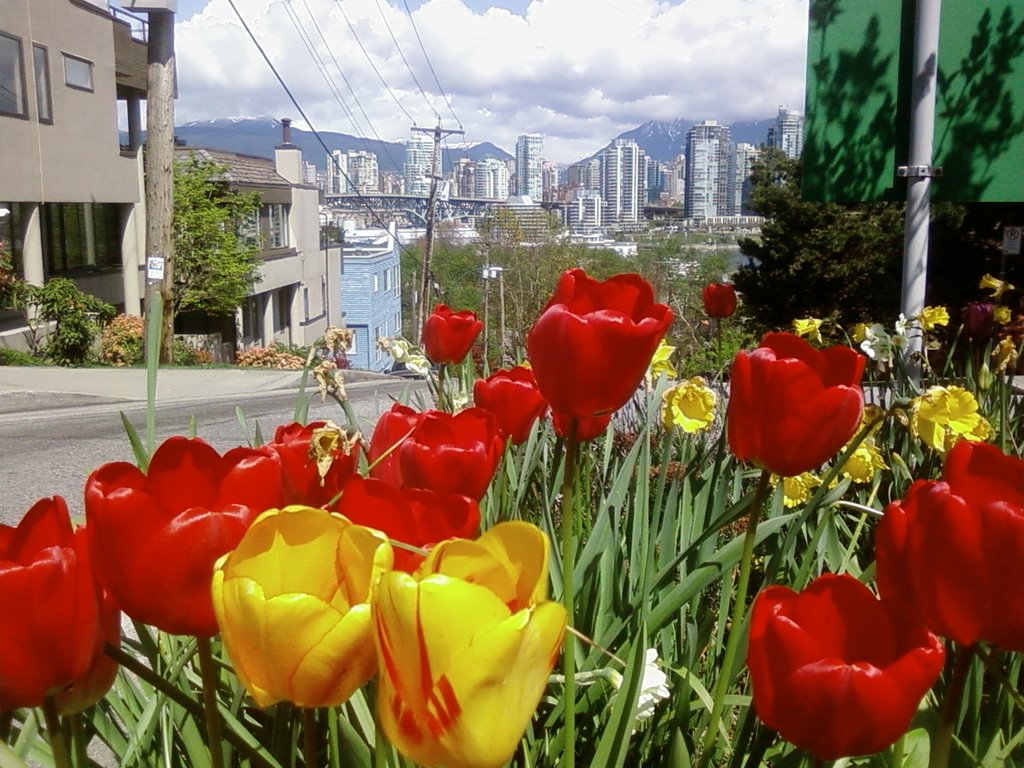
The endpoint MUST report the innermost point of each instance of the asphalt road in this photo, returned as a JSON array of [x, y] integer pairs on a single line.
[[52, 452]]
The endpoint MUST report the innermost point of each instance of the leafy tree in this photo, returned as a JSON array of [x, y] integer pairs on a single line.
[[815, 259], [214, 266]]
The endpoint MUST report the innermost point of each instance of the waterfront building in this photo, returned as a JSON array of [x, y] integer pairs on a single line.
[[530, 166], [419, 158], [788, 133], [709, 171]]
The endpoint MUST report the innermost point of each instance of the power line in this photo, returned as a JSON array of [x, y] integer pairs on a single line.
[[355, 97], [431, 66], [372, 65], [405, 61], [376, 216]]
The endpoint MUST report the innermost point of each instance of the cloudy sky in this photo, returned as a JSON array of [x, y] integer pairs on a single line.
[[577, 71]]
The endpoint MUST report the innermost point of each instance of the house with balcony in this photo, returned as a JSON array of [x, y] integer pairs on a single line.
[[73, 196], [371, 292], [297, 294]]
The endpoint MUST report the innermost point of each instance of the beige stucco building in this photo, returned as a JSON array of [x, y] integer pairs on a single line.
[[74, 196]]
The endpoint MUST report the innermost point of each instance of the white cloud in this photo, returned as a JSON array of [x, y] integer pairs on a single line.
[[578, 71]]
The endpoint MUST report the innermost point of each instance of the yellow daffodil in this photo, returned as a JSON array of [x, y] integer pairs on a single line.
[[994, 284], [689, 405], [797, 490], [293, 606], [864, 463], [809, 328], [932, 317], [1005, 355], [661, 363], [860, 332], [466, 646], [943, 415], [1001, 315]]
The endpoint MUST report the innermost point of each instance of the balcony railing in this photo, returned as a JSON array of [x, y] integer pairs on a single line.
[[138, 24]]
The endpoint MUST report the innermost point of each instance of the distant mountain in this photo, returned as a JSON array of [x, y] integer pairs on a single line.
[[259, 136], [664, 140]]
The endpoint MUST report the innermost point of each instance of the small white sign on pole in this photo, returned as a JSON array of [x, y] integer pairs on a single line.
[[154, 268], [1011, 241]]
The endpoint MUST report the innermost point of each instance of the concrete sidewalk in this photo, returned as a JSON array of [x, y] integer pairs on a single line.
[[32, 388]]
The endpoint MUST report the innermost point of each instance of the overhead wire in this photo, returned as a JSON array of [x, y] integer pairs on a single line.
[[419, 39], [405, 61], [373, 66], [295, 102], [383, 144]]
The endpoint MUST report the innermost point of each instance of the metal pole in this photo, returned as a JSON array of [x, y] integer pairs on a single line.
[[487, 294], [501, 316], [919, 174]]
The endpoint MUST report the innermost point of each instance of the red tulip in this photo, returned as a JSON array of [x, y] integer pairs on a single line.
[[836, 671], [979, 320], [452, 454], [156, 536], [416, 516], [512, 396], [592, 345], [49, 616], [953, 550], [94, 683], [587, 428], [392, 428], [448, 335], [792, 407], [301, 478], [719, 299]]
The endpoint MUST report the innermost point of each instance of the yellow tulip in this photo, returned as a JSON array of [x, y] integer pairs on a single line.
[[809, 328], [293, 606], [796, 490], [860, 332], [932, 317], [466, 646], [994, 284], [661, 362], [1005, 355], [689, 405], [943, 415], [1001, 315], [864, 463]]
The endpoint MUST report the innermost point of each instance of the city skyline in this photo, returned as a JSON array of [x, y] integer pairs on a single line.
[[507, 68]]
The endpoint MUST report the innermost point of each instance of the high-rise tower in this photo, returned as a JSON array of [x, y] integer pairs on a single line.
[[709, 171], [419, 157], [530, 166], [788, 133]]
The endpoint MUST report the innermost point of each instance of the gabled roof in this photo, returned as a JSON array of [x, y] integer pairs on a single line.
[[249, 170]]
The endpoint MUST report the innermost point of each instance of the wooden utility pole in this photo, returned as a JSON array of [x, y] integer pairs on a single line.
[[428, 252], [160, 174]]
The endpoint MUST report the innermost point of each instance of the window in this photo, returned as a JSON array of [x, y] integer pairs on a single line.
[[44, 103], [278, 216], [77, 73], [12, 77], [376, 282], [81, 236], [249, 229], [387, 280]]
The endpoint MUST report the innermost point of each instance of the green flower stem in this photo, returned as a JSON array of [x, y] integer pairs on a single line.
[[180, 698], [736, 619], [443, 401], [379, 742], [79, 740], [568, 591], [309, 740], [962, 658], [59, 747], [208, 670]]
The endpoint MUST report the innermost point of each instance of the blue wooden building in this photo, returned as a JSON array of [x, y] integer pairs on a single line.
[[371, 293]]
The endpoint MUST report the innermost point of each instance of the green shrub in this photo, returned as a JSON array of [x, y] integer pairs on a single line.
[[123, 341], [77, 319], [18, 357], [183, 353], [269, 357]]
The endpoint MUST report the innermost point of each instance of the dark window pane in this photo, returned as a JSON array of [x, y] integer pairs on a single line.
[[41, 58], [12, 77]]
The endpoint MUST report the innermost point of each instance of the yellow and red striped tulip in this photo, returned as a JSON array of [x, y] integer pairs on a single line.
[[466, 646], [293, 605]]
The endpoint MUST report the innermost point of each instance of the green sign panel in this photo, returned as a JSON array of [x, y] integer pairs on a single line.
[[860, 58]]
